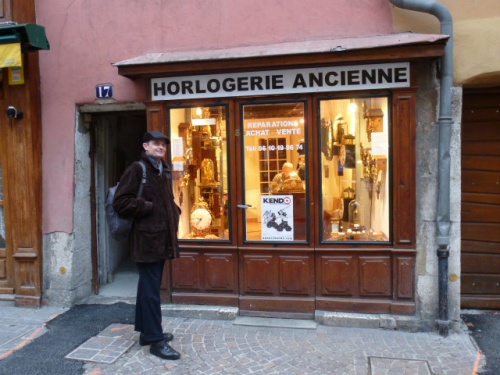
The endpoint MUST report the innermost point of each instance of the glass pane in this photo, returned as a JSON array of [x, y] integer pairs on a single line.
[[274, 186], [355, 169], [2, 214], [274, 166], [199, 157]]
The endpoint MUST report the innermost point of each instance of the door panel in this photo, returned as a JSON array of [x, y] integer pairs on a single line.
[[404, 277], [277, 274], [481, 263], [259, 272], [480, 247], [480, 224], [480, 212], [480, 284], [295, 275], [337, 275], [375, 277], [277, 285], [20, 150], [276, 277]]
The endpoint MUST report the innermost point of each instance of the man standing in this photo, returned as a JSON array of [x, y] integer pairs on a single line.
[[153, 237]]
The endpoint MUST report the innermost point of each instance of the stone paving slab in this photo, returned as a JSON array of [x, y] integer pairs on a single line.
[[107, 346], [125, 331], [275, 323], [389, 366]]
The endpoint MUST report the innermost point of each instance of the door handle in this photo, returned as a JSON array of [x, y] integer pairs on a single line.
[[245, 206]]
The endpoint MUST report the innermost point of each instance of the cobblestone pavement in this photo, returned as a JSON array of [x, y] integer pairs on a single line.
[[220, 347], [223, 347]]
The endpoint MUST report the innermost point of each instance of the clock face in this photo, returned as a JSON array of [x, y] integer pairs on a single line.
[[201, 219]]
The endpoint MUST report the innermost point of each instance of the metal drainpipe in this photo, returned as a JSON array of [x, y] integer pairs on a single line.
[[445, 125]]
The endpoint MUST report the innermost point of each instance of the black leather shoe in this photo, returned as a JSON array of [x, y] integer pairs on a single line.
[[163, 350], [166, 336]]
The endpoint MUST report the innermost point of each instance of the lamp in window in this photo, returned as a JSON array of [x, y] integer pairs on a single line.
[[200, 116]]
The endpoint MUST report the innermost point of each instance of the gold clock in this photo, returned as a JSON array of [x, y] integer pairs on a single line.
[[201, 219]]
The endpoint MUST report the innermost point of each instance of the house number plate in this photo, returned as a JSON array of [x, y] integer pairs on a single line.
[[104, 91]]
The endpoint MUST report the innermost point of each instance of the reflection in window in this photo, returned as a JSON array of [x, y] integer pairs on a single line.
[[355, 169], [272, 155], [198, 153]]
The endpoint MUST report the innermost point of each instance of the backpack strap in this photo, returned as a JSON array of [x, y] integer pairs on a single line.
[[143, 181]]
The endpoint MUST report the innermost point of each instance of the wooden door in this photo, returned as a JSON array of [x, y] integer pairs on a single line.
[[481, 199], [6, 274], [276, 260]]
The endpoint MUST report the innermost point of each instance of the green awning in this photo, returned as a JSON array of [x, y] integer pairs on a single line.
[[31, 36]]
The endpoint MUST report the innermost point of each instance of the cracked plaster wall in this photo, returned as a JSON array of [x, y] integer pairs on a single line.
[[427, 139]]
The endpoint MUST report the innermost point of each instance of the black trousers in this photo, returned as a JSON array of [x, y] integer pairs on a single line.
[[148, 304]]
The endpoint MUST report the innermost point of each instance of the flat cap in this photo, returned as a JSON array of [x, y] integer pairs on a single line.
[[148, 136]]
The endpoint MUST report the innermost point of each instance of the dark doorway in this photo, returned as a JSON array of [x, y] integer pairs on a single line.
[[116, 144]]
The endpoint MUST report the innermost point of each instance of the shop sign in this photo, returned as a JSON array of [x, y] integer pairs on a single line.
[[273, 82], [10, 55]]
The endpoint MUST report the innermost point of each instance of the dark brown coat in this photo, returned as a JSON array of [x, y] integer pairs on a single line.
[[156, 215]]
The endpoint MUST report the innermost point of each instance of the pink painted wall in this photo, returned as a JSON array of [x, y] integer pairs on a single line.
[[87, 36]]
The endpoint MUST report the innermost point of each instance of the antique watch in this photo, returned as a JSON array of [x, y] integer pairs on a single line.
[[201, 219]]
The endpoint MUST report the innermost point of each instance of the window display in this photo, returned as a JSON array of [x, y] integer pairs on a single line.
[[354, 171], [355, 150], [199, 162]]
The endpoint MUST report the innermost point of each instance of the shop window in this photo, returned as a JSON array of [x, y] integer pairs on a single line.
[[273, 146], [355, 169], [199, 160]]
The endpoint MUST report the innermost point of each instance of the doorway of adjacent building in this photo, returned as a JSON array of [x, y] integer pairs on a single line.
[[116, 144], [480, 224]]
